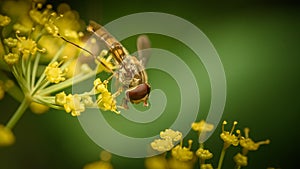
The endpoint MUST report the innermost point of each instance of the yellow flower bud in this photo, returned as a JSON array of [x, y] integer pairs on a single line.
[[38, 108], [6, 136]]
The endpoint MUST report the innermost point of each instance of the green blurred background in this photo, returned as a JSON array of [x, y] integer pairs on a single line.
[[258, 44]]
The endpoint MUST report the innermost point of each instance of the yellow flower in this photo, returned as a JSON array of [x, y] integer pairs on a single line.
[[156, 162], [173, 135], [26, 46], [240, 160], [106, 102], [228, 137], [4, 20], [6, 136], [206, 166], [98, 165], [87, 100], [176, 164], [11, 58], [204, 154], [11, 42], [40, 17], [183, 153], [100, 86], [54, 74], [74, 105], [162, 145], [61, 98], [105, 99], [202, 126], [248, 144], [19, 10]]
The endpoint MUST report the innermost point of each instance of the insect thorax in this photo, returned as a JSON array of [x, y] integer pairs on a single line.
[[129, 72]]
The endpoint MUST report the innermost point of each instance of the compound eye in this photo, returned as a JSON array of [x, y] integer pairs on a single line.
[[139, 93]]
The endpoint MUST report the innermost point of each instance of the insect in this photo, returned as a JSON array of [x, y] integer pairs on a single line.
[[130, 71]]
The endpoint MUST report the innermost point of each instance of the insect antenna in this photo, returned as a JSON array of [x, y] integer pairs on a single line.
[[89, 52]]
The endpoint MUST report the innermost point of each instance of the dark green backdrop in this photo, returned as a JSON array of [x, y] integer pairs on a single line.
[[258, 43]]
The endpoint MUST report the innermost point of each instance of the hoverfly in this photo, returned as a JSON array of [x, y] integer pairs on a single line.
[[130, 71]]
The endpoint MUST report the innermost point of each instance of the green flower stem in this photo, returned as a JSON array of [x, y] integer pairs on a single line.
[[18, 114], [34, 69], [42, 77], [69, 82], [222, 157]]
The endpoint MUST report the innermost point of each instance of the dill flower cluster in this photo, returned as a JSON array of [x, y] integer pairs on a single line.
[[35, 52], [184, 158]]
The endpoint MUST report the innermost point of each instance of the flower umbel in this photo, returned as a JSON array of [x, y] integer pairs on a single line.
[[204, 154], [228, 137], [202, 126], [166, 143], [34, 49], [240, 159], [248, 144], [183, 153], [173, 135], [183, 157], [162, 145]]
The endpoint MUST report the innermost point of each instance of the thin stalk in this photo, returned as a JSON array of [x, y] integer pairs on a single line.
[[18, 114], [42, 77], [69, 82], [222, 157], [34, 70], [28, 73], [14, 90]]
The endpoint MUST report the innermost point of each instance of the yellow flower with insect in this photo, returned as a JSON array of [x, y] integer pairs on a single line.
[[35, 49]]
